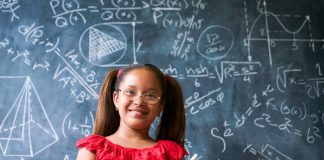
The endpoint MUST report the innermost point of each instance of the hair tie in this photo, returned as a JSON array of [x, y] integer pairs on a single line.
[[165, 77], [119, 72]]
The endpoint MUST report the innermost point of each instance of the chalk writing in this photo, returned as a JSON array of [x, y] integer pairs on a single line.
[[11, 7], [35, 34], [236, 69], [267, 152], [196, 107], [28, 117], [219, 40], [240, 120], [83, 129], [227, 133], [251, 72], [71, 14], [182, 45]]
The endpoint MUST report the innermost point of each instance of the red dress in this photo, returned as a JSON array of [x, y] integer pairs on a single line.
[[106, 150]]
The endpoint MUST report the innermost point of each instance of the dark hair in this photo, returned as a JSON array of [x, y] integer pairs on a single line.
[[172, 123]]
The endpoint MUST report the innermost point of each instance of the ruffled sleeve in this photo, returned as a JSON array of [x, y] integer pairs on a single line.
[[174, 150], [92, 143]]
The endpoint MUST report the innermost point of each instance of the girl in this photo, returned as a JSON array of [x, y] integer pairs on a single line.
[[129, 101]]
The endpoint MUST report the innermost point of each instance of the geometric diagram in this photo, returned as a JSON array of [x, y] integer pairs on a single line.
[[260, 32], [26, 129], [215, 42], [102, 44]]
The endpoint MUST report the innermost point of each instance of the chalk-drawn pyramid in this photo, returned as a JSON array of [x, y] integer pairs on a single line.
[[101, 44], [26, 129]]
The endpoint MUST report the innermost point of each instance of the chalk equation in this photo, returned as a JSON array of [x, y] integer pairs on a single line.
[[70, 59], [267, 152], [226, 70], [197, 103], [83, 129], [68, 13], [251, 72], [35, 35]]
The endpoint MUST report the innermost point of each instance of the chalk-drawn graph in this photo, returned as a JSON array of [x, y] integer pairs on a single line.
[[104, 44], [271, 29], [26, 129]]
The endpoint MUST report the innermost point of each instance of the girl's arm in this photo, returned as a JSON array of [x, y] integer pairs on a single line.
[[84, 154]]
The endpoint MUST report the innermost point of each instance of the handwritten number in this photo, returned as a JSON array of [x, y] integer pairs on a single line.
[[319, 69], [310, 138]]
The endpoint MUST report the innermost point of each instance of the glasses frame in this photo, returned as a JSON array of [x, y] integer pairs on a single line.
[[136, 97]]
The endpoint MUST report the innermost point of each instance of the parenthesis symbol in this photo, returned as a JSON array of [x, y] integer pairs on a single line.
[[63, 124], [305, 111], [91, 115]]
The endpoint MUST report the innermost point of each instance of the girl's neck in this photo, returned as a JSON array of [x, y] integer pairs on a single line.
[[131, 138], [128, 133]]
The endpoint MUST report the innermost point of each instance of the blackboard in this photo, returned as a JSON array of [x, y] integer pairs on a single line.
[[251, 72]]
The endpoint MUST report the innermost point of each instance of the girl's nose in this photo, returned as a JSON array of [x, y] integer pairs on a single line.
[[138, 100]]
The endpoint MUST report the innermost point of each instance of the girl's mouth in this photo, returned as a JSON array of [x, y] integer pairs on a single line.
[[137, 112]]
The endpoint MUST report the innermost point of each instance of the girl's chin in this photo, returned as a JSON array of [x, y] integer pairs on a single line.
[[139, 125]]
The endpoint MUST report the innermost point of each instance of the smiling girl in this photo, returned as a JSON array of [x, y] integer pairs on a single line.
[[130, 99]]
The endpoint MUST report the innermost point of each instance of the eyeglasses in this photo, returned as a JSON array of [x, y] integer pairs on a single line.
[[150, 98]]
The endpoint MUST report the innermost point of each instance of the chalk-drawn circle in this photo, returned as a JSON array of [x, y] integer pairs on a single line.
[[102, 44], [215, 42]]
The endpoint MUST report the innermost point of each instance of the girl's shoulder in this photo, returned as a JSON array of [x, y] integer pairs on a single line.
[[104, 149], [92, 142], [172, 149]]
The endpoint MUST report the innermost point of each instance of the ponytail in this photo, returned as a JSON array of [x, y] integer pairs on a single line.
[[172, 124], [107, 119]]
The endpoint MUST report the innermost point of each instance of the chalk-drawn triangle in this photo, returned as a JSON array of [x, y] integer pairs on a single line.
[[101, 44], [26, 125], [10, 129]]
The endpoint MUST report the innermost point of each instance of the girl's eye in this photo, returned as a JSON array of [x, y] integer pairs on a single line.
[[151, 95], [130, 92]]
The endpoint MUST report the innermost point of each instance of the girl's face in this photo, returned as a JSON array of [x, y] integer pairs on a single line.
[[137, 113]]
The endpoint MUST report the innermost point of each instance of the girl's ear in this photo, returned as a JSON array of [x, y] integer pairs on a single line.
[[115, 98], [161, 107]]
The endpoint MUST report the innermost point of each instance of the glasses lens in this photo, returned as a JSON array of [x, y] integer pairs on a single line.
[[150, 98]]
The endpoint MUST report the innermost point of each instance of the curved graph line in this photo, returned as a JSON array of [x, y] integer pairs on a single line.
[[287, 30], [265, 14], [281, 24]]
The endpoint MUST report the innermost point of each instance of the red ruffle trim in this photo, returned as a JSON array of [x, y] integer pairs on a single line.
[[106, 150]]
